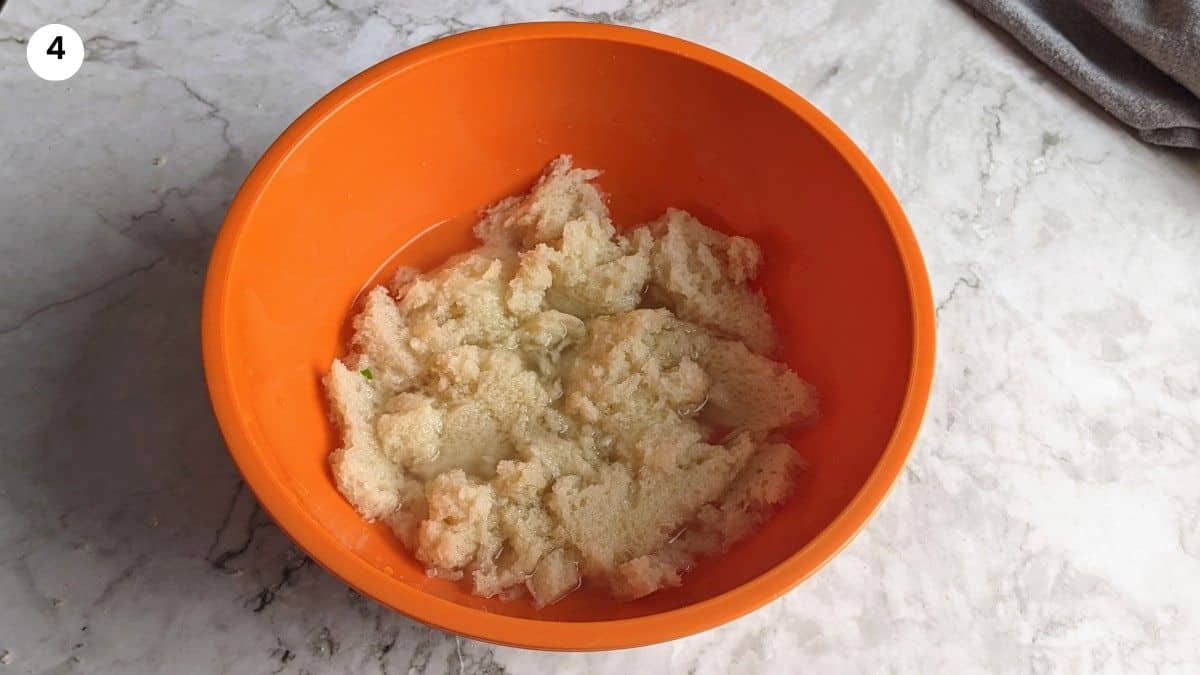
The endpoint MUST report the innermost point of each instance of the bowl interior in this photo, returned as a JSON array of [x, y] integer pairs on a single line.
[[397, 175]]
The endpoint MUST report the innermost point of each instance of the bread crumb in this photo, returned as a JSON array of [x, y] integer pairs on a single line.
[[541, 412]]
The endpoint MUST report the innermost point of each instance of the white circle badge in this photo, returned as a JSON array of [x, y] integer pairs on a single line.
[[55, 52]]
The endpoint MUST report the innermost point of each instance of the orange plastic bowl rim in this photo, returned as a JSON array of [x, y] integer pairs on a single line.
[[274, 258]]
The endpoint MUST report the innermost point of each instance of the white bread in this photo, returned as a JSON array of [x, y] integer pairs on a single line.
[[541, 412]]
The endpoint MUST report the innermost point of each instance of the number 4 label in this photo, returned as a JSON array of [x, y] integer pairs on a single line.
[[54, 52], [56, 48]]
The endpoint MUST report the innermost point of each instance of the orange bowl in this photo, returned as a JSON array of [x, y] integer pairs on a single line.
[[393, 166]]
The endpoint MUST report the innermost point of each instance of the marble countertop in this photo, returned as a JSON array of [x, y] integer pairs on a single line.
[[1048, 521]]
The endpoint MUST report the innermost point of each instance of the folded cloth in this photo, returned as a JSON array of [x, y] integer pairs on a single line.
[[1139, 59]]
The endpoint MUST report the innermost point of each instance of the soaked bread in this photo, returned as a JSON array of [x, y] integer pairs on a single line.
[[567, 403]]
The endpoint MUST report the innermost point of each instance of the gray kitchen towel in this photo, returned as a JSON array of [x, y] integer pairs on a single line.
[[1139, 59]]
